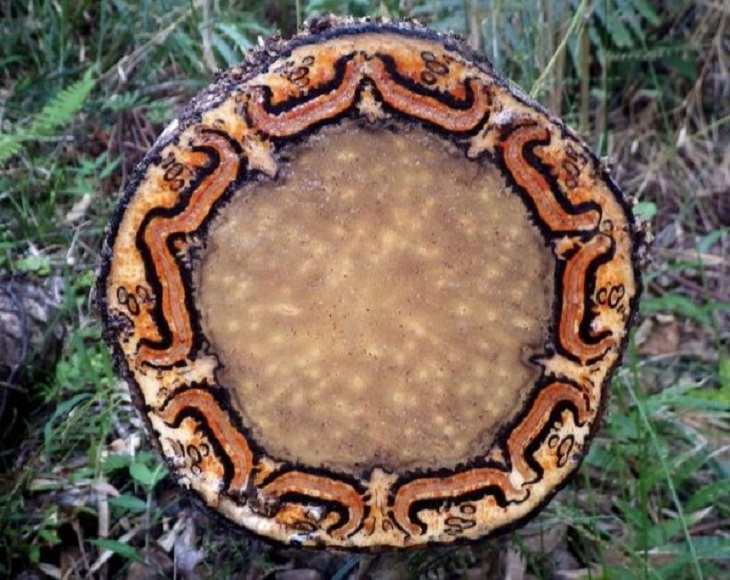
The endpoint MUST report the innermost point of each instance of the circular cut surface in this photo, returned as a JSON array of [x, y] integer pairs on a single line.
[[376, 304], [351, 335]]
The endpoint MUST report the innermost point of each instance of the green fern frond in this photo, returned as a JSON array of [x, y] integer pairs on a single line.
[[9, 146], [59, 111], [63, 107]]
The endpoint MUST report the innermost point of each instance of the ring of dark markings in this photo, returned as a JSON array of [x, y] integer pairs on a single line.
[[294, 73], [433, 64], [444, 97], [564, 449], [534, 161], [150, 269], [435, 504], [143, 294], [585, 327], [147, 260], [203, 428], [573, 165], [467, 508], [428, 77], [304, 527], [468, 87], [555, 418], [125, 298], [503, 433], [303, 499], [553, 441], [196, 454], [115, 330], [299, 76], [173, 169], [456, 525], [340, 68], [611, 295], [433, 67], [498, 159]]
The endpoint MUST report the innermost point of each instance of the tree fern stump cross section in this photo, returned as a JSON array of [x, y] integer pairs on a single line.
[[367, 294]]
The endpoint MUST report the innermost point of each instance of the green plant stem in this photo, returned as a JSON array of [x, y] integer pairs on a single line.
[[711, 127], [585, 81], [577, 21], [494, 17], [670, 483]]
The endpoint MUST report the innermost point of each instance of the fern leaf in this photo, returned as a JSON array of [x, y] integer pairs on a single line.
[[232, 32], [9, 146], [62, 107], [648, 12]]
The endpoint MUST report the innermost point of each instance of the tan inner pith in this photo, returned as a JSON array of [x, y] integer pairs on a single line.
[[377, 303]]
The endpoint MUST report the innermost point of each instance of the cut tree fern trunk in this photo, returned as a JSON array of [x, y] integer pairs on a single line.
[[367, 295]]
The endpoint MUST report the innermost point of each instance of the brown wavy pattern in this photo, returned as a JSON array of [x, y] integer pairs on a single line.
[[573, 308], [232, 441], [342, 98], [540, 410], [323, 488], [310, 112], [537, 187], [478, 479], [438, 488], [156, 235], [428, 108]]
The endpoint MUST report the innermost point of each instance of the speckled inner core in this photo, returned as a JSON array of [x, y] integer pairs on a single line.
[[377, 302]]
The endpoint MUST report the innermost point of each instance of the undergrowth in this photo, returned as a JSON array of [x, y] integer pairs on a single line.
[[85, 87]]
